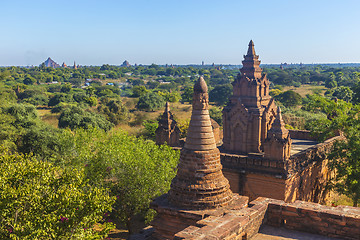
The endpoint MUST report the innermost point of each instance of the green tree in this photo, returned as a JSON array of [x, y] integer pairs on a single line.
[[114, 109], [216, 114], [187, 94], [29, 80], [45, 141], [136, 170], [75, 117], [25, 115], [289, 98], [150, 127], [60, 98], [150, 102], [41, 201], [343, 93], [139, 91], [220, 94], [65, 88], [345, 160]]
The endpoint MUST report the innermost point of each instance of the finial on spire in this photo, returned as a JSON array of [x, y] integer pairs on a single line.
[[200, 97], [200, 86], [251, 49]]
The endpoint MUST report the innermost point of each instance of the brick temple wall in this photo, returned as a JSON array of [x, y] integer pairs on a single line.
[[302, 177], [243, 223], [301, 134], [257, 185], [309, 184], [339, 222]]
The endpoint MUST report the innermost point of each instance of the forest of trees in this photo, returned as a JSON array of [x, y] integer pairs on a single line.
[[89, 171]]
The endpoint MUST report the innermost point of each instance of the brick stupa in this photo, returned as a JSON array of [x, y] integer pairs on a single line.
[[168, 131], [200, 183], [199, 188]]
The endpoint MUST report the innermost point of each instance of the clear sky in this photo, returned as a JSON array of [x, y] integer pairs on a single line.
[[178, 31]]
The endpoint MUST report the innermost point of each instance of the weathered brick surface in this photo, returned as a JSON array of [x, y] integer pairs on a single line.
[[239, 222], [342, 222], [199, 182], [167, 131]]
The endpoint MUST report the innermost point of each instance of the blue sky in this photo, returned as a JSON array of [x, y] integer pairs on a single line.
[[178, 31]]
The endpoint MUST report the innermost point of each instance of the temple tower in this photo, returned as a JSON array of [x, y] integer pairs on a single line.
[[200, 183], [168, 131], [250, 110]]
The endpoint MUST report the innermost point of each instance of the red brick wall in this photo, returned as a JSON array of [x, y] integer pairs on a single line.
[[258, 185], [339, 222], [235, 180]]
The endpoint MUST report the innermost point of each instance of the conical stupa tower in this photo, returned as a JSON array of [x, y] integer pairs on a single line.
[[200, 183]]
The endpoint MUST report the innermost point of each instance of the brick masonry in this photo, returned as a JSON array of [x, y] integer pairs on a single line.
[[243, 222], [301, 177]]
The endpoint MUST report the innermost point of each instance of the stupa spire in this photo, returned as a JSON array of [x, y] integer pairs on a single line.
[[200, 135], [278, 129], [200, 183]]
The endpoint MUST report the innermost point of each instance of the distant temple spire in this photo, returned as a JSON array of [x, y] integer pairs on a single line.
[[75, 67], [167, 132]]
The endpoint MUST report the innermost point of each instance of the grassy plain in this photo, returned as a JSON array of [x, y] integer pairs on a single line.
[[305, 89]]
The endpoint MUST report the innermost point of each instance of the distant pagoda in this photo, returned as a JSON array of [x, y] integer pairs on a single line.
[[125, 64], [50, 63]]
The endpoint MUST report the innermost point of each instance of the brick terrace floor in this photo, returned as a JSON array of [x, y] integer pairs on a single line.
[[299, 145], [273, 233]]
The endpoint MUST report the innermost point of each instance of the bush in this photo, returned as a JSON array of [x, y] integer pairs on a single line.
[[45, 141], [41, 201], [289, 98], [25, 114], [216, 114], [60, 97], [150, 102], [150, 127], [114, 110], [37, 100], [75, 117]]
